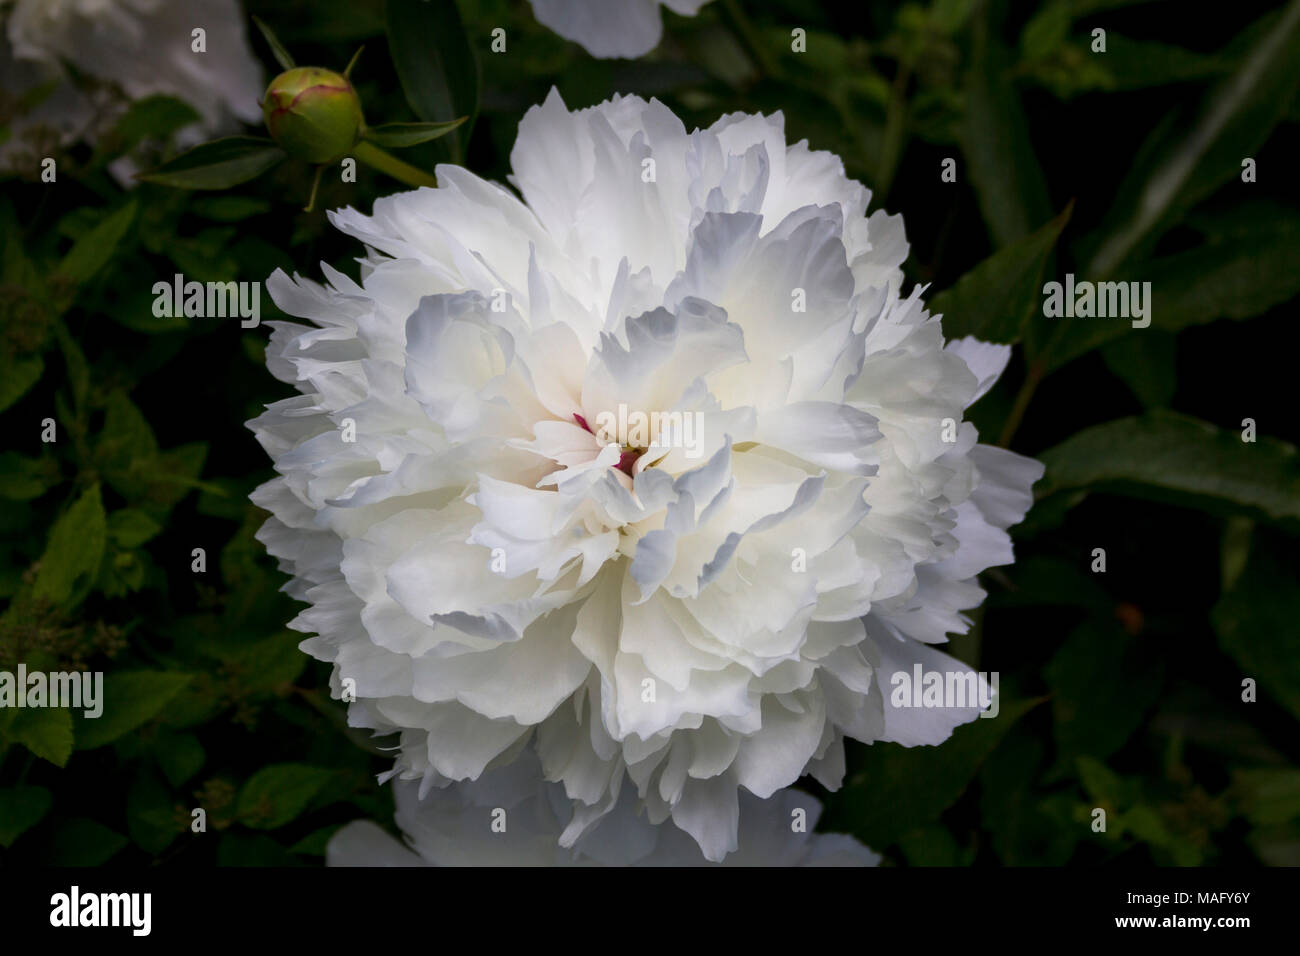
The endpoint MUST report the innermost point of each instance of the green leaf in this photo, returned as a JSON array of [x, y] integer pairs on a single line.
[[898, 789], [1187, 158], [22, 479], [130, 700], [178, 473], [74, 550], [1045, 33], [1103, 785], [995, 141], [930, 846], [83, 842], [1256, 623], [276, 795], [1238, 276], [398, 135], [1183, 456], [253, 849], [1024, 826], [45, 731], [314, 843], [266, 665], [78, 369], [180, 756], [219, 164], [434, 62], [151, 816], [130, 527], [1036, 581], [1268, 796], [17, 376], [1139, 64], [126, 450], [277, 48], [155, 117], [229, 208], [1147, 364], [91, 252], [1103, 682], [21, 808], [995, 299]]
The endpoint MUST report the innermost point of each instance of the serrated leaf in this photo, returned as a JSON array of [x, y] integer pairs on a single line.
[[22, 479], [130, 527], [1268, 796], [126, 441], [17, 376], [276, 795], [91, 252], [83, 842], [398, 135], [1166, 451], [21, 808], [994, 300], [1046, 31], [45, 731], [74, 549], [219, 164], [78, 369], [180, 756], [151, 818], [130, 700]]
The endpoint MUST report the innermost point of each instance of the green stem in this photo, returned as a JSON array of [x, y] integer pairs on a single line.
[[315, 187], [750, 39], [895, 130], [373, 156], [1032, 377]]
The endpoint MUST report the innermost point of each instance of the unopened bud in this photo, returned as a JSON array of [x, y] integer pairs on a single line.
[[313, 114]]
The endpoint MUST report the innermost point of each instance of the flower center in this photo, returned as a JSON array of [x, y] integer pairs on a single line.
[[628, 454]]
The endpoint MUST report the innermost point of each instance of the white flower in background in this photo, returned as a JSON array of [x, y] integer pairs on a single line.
[[510, 817], [125, 50], [611, 28], [495, 551]]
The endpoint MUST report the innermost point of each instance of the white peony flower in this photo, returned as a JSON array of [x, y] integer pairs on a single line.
[[611, 28], [124, 48], [510, 817], [495, 548]]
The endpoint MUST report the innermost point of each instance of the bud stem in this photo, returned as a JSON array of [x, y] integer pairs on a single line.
[[315, 187], [372, 155]]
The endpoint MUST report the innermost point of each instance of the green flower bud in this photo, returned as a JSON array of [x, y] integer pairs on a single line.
[[313, 114]]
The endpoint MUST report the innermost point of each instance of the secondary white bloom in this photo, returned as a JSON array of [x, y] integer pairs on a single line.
[[496, 551], [510, 817], [125, 49], [611, 28]]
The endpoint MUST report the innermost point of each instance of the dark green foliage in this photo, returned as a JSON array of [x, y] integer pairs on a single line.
[[1123, 691]]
